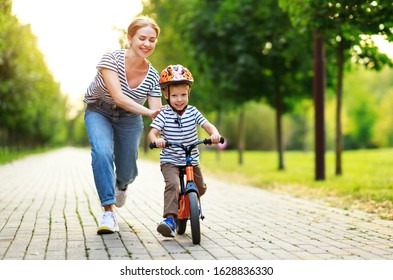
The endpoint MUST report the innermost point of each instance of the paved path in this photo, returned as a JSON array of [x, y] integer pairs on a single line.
[[49, 210]]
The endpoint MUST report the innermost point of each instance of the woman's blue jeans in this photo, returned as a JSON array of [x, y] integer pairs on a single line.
[[114, 137]]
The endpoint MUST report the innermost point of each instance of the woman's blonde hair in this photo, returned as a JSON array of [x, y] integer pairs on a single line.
[[140, 22]]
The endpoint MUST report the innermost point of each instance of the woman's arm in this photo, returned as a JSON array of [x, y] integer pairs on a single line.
[[154, 102], [112, 83]]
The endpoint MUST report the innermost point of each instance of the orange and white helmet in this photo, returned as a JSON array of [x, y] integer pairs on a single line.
[[175, 74]]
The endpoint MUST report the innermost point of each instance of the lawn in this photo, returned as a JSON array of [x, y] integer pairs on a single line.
[[8, 155], [366, 183]]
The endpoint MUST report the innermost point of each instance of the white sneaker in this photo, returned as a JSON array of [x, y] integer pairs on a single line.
[[120, 197], [108, 223]]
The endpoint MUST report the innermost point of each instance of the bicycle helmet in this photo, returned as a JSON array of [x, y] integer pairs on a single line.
[[175, 74]]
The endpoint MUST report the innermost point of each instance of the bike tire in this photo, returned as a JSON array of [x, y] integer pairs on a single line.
[[194, 217], [181, 226]]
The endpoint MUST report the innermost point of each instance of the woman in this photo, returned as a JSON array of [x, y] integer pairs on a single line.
[[125, 79]]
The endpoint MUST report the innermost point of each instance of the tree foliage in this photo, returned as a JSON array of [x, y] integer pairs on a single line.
[[32, 109]]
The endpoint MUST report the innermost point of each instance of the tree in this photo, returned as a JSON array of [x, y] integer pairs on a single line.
[[287, 56], [246, 52], [32, 108], [352, 26], [346, 25], [310, 16]]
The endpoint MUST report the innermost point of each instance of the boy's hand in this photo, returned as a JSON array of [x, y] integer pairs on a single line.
[[160, 143], [215, 138]]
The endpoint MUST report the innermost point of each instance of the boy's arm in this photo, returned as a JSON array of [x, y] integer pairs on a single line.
[[213, 132], [154, 135]]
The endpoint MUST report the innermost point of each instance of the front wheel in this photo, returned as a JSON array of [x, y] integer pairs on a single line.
[[194, 217]]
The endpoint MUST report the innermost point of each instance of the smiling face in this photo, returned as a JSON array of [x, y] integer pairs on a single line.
[[177, 95], [144, 41]]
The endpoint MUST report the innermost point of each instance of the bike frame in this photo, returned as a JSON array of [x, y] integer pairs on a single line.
[[188, 202], [188, 172], [190, 186]]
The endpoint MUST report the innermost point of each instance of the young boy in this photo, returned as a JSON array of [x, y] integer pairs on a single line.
[[177, 123]]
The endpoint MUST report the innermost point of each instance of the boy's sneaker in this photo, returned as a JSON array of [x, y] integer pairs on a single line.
[[108, 223], [120, 196], [167, 227]]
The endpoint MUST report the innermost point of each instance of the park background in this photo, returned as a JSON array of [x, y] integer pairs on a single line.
[[301, 90]]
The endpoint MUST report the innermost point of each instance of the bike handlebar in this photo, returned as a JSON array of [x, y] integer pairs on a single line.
[[206, 141]]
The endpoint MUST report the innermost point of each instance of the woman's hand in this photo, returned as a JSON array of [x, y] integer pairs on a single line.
[[153, 113]]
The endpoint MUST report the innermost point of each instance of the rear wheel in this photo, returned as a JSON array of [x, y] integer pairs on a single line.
[[181, 226], [182, 215], [194, 217]]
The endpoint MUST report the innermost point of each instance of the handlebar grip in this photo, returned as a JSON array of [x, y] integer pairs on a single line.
[[153, 145], [208, 141]]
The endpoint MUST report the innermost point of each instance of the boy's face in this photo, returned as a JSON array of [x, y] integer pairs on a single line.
[[178, 96]]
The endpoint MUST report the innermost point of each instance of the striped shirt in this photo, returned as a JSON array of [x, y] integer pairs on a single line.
[[115, 61], [181, 129]]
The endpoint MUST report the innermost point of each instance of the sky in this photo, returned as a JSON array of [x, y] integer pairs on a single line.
[[73, 35], [383, 45]]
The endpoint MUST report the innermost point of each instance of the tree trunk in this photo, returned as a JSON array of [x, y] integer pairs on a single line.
[[339, 92], [319, 105], [279, 141], [241, 135]]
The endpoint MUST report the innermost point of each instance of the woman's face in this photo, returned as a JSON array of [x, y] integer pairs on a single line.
[[144, 41]]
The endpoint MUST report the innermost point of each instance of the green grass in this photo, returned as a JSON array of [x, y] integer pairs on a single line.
[[366, 183], [9, 155]]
